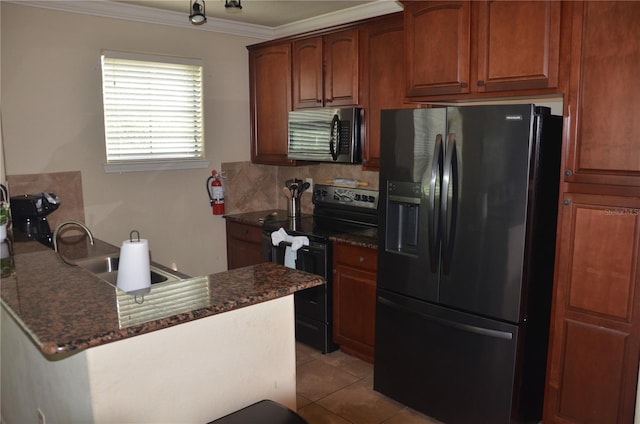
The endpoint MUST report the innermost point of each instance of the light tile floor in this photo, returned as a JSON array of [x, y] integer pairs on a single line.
[[338, 389]]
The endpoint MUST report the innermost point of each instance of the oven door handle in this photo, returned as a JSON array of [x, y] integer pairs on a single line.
[[305, 248]]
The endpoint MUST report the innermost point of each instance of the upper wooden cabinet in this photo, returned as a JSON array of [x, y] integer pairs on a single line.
[[325, 70], [382, 83], [603, 101], [270, 99], [462, 47], [436, 47]]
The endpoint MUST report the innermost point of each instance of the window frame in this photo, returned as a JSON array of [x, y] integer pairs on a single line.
[[151, 163]]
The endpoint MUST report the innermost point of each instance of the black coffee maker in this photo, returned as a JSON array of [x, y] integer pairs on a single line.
[[29, 215]]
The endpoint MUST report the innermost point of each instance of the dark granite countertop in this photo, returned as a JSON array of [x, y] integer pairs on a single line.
[[365, 238], [65, 309], [260, 218]]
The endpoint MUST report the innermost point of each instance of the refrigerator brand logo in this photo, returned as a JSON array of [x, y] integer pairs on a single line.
[[513, 118]]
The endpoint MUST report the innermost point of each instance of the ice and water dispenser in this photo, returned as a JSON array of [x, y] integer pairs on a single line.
[[403, 217]]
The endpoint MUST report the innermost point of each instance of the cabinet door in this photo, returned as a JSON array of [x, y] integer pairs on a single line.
[[244, 245], [354, 300], [340, 56], [518, 45], [382, 83], [270, 97], [604, 104], [307, 73], [595, 334], [436, 47]]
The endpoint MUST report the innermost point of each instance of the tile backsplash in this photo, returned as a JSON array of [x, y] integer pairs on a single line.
[[66, 185], [250, 187]]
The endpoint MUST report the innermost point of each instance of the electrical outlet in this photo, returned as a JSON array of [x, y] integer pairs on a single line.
[[41, 419]]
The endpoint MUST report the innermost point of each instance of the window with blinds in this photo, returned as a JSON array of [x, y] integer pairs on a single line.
[[152, 108]]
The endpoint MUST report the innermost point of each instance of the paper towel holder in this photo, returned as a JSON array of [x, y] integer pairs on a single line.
[[131, 235], [134, 266]]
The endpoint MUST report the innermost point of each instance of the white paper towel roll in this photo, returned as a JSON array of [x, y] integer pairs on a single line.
[[134, 269]]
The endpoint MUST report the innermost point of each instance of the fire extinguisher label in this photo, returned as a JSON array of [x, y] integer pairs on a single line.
[[218, 194]]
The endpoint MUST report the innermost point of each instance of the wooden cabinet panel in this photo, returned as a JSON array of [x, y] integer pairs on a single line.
[[325, 70], [601, 281], [307, 73], [437, 47], [382, 81], [270, 97], [354, 299], [518, 45], [594, 365], [595, 332], [341, 68], [603, 102], [244, 245], [471, 48]]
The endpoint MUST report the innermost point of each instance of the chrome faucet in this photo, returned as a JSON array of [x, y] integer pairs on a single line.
[[64, 224]]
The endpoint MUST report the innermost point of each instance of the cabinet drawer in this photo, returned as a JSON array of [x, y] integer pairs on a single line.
[[356, 256], [244, 232]]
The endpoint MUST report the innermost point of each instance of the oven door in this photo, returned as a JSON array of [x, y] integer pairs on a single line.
[[313, 305], [313, 302]]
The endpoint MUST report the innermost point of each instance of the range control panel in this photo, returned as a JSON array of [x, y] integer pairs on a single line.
[[358, 197]]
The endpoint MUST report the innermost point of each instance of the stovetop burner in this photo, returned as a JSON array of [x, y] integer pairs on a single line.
[[337, 210]]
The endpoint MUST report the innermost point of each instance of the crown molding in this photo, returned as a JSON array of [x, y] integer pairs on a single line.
[[352, 14], [109, 9]]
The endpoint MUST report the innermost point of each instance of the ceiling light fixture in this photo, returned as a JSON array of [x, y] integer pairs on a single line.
[[197, 16], [233, 5]]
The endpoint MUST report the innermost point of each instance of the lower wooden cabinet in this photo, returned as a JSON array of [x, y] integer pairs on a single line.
[[244, 245], [595, 333], [354, 299]]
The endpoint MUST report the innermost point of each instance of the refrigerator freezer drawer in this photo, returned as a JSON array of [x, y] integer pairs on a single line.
[[452, 366]]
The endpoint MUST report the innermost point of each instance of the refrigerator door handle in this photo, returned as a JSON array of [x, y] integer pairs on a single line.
[[434, 202], [449, 204], [506, 335]]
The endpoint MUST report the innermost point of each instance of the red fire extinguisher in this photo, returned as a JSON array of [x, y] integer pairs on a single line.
[[216, 193]]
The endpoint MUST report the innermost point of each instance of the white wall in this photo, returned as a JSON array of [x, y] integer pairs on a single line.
[[190, 373], [52, 119]]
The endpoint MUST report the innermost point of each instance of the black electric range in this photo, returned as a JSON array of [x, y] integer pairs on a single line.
[[337, 210]]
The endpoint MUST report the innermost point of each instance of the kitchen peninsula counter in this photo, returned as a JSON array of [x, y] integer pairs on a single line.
[[71, 353], [65, 308]]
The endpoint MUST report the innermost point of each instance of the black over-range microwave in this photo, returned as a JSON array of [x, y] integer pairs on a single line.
[[326, 135]]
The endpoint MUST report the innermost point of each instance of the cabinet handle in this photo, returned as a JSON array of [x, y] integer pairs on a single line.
[[361, 259], [568, 173], [480, 83], [566, 202], [463, 85]]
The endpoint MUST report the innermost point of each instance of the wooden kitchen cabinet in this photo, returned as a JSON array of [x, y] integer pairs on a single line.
[[325, 70], [244, 245], [462, 47], [354, 299], [270, 100], [594, 346], [603, 101], [382, 84], [595, 334]]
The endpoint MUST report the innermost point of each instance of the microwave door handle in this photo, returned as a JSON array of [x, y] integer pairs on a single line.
[[334, 138]]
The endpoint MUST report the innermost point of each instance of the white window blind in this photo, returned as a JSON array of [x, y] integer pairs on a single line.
[[152, 108]]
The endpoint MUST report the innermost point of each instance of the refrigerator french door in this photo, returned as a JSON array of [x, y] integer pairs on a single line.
[[467, 227]]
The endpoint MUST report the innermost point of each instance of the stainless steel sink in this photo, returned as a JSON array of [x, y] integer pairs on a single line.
[[106, 268]]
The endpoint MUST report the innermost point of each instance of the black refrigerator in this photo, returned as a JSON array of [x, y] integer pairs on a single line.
[[468, 206]]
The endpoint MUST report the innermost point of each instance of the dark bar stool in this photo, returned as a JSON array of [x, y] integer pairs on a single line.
[[263, 412]]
